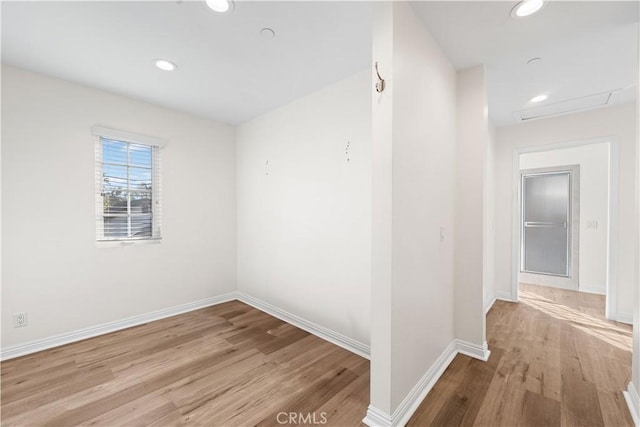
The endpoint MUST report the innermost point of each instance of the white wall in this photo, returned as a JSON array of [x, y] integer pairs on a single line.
[[594, 206], [52, 268], [382, 213], [635, 377], [470, 225], [304, 221], [414, 186], [489, 228], [617, 121], [424, 132]]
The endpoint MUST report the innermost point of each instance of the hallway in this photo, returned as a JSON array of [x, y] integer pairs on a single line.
[[555, 361]]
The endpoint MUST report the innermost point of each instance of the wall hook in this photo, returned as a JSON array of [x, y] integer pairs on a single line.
[[380, 83]]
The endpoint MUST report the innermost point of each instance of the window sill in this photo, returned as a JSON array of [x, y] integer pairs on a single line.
[[126, 243]]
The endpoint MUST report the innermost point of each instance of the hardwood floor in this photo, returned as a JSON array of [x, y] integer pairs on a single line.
[[227, 365], [555, 361]]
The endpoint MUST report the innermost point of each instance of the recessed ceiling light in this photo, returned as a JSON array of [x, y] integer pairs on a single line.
[[267, 33], [526, 8], [539, 98], [220, 6], [165, 65]]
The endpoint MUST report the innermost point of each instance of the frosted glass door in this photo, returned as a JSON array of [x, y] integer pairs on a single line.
[[546, 211]]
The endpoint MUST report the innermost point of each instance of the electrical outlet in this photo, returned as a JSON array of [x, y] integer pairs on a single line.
[[20, 319]]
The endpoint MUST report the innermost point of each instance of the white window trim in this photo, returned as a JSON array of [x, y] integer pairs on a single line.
[[109, 133], [120, 135], [125, 243]]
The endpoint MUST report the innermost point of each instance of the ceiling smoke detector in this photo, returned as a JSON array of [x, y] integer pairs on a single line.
[[267, 33]]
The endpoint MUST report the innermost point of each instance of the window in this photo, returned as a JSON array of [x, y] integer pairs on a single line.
[[127, 187]]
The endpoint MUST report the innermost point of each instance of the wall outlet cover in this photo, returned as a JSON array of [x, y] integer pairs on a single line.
[[20, 320]]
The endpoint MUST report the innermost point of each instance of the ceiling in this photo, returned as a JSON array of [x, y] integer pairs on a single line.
[[226, 70], [229, 73], [587, 47]]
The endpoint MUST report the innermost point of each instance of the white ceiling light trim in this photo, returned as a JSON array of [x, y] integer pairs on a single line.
[[526, 8], [220, 6], [165, 65], [539, 98]]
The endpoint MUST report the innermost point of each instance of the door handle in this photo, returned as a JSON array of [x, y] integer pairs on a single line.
[[541, 224]]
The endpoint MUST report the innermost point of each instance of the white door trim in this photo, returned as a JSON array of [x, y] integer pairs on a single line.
[[612, 249]]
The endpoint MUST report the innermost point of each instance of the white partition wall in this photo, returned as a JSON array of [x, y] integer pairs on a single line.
[[632, 394], [414, 190], [470, 225]]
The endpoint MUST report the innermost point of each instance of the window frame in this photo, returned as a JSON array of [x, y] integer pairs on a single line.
[[156, 146]]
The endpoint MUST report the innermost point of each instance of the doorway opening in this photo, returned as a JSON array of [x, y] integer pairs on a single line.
[[567, 209]]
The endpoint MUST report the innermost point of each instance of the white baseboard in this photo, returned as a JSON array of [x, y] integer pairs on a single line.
[[624, 318], [488, 306], [596, 291], [377, 418], [473, 350], [105, 328], [633, 402], [327, 334], [505, 296], [404, 411], [408, 406], [502, 296]]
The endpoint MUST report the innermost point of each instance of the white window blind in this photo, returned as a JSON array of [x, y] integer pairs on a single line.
[[128, 190]]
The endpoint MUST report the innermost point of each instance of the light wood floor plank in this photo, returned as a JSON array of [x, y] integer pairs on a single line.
[[555, 361], [221, 365]]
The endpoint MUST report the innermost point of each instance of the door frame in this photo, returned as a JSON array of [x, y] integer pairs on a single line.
[[611, 305]]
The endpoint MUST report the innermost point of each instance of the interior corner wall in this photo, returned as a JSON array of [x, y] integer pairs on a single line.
[[304, 207], [617, 121], [382, 213], [470, 225], [414, 186], [51, 267], [489, 217], [635, 375]]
